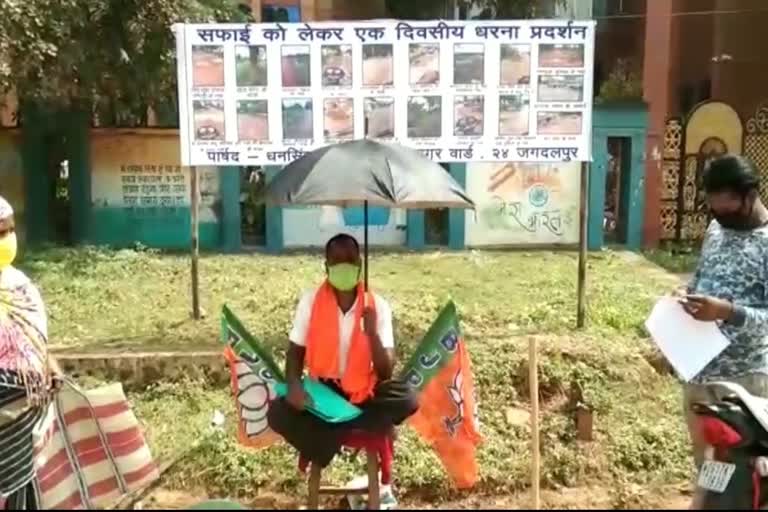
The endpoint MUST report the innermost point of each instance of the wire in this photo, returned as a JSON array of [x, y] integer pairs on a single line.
[[678, 14]]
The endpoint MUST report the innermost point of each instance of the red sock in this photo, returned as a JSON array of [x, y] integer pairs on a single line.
[[303, 464]]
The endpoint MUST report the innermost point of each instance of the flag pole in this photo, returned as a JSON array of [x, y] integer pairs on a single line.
[[533, 377]]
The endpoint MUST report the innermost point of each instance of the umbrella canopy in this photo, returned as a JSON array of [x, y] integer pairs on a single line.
[[365, 172]]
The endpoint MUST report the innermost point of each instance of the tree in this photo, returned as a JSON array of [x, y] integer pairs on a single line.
[[117, 56]]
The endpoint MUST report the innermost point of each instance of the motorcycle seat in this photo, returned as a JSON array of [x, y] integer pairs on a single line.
[[757, 406]]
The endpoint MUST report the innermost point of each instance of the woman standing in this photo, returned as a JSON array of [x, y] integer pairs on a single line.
[[25, 372]]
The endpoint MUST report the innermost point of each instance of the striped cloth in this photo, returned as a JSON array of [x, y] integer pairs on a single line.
[[17, 421], [86, 451], [90, 450]]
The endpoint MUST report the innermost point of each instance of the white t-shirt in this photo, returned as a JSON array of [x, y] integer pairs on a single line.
[[301, 319]]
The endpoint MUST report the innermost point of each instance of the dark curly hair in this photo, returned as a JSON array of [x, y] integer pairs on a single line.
[[731, 173]]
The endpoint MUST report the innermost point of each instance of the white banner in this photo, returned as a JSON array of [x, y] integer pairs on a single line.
[[264, 94]]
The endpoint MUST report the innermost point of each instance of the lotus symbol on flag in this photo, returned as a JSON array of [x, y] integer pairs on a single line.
[[456, 391], [253, 375], [255, 393]]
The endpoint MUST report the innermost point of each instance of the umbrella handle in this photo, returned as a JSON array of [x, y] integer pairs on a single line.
[[365, 262], [365, 305], [365, 245]]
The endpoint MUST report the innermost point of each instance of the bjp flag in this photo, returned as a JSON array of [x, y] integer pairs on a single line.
[[447, 418], [253, 377]]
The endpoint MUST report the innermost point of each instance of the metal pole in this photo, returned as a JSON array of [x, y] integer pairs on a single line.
[[195, 214], [365, 243], [581, 307]]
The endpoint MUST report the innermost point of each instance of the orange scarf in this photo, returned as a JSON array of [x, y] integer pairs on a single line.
[[322, 356]]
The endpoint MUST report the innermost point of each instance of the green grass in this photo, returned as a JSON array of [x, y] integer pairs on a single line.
[[675, 259], [99, 299], [639, 433], [132, 300]]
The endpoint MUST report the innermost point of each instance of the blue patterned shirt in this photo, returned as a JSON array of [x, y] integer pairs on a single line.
[[734, 266]]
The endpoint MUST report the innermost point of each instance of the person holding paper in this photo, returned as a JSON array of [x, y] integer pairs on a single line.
[[730, 285], [343, 336]]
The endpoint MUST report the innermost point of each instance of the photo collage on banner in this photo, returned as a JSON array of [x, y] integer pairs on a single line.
[[264, 94]]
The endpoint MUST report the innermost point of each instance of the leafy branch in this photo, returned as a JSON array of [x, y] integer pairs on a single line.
[[117, 56]]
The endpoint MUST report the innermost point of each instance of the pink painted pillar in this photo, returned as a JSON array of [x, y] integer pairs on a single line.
[[657, 67], [719, 64]]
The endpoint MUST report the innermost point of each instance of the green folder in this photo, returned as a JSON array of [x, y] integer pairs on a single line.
[[326, 404], [217, 505]]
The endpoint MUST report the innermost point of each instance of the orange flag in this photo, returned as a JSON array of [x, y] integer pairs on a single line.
[[447, 416]]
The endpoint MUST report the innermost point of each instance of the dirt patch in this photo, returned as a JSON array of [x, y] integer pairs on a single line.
[[253, 127], [163, 499], [659, 363], [513, 122], [585, 498]]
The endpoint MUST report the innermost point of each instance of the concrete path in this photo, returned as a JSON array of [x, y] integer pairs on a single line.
[[141, 369]]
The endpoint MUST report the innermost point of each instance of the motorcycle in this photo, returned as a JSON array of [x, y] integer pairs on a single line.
[[734, 472]]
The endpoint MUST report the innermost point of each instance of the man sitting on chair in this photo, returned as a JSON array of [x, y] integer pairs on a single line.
[[344, 337]]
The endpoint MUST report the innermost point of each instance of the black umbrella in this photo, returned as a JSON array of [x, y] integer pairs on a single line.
[[363, 173]]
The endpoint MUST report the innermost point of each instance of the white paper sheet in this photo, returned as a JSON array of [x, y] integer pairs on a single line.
[[688, 344]]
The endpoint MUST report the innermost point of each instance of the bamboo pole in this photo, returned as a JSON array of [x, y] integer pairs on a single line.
[[581, 305], [533, 366], [195, 214]]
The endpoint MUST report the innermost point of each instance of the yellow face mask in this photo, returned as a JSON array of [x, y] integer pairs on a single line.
[[8, 249]]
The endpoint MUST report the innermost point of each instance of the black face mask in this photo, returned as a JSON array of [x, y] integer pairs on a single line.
[[735, 221], [738, 221]]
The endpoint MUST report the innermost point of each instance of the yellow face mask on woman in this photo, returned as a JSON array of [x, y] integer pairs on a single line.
[[8, 249]]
